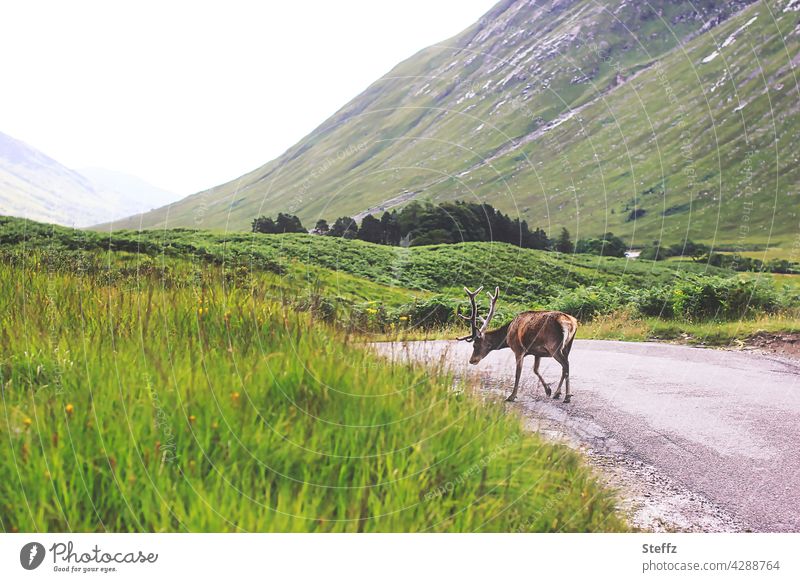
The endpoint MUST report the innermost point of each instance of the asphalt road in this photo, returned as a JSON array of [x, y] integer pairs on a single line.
[[723, 424]]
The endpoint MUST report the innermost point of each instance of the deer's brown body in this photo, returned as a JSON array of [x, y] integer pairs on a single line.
[[541, 334]]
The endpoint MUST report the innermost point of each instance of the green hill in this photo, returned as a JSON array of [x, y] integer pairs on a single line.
[[371, 271], [658, 120], [378, 288]]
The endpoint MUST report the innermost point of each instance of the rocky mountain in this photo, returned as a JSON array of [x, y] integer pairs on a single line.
[[654, 120], [34, 185]]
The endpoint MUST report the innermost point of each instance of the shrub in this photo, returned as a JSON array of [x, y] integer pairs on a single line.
[[653, 302], [587, 302], [719, 298], [608, 245], [436, 311]]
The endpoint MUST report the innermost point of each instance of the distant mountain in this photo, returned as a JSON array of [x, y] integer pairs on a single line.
[[133, 195], [34, 185], [654, 120]]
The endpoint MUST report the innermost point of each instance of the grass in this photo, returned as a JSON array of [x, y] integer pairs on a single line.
[[625, 327], [182, 399], [622, 325], [388, 290], [768, 254]]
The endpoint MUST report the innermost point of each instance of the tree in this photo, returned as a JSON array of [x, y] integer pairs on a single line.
[[696, 251], [288, 223], [503, 229], [409, 217], [284, 223], [321, 227], [391, 228], [609, 246], [655, 252], [264, 225], [435, 236], [344, 227], [371, 230], [538, 239], [563, 243]]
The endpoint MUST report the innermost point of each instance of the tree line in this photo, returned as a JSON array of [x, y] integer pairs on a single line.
[[419, 224], [451, 222]]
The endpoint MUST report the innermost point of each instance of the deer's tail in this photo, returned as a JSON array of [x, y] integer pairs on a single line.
[[568, 331]]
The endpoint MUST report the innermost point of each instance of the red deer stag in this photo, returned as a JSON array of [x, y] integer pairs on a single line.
[[542, 334]]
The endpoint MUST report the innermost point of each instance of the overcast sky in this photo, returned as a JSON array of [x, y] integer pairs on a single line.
[[188, 96]]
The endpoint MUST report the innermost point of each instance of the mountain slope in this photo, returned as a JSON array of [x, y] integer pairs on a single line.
[[659, 120], [35, 186], [133, 195]]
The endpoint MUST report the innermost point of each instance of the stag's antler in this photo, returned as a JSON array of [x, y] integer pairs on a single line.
[[473, 316], [493, 302]]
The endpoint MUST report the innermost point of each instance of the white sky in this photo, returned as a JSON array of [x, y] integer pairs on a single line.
[[188, 96]]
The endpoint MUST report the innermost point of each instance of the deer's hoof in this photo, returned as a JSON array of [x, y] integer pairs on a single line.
[[557, 395], [547, 391], [511, 399], [567, 399]]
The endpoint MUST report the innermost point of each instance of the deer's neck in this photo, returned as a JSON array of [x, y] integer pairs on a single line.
[[497, 338]]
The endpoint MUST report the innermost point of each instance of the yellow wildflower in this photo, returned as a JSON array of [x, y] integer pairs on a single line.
[[69, 409]]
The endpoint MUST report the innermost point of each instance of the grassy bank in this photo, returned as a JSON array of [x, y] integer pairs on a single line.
[[188, 400], [622, 326]]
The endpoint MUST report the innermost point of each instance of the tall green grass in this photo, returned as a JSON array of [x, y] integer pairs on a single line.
[[192, 401]]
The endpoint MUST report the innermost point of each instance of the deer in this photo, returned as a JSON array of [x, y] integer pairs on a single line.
[[541, 334]]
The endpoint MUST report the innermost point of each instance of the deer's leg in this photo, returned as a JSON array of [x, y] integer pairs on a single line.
[[513, 396], [536, 371], [562, 359]]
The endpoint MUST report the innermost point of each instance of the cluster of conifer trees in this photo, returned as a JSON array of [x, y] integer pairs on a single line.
[[426, 224]]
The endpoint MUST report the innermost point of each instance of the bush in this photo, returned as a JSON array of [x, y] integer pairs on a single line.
[[436, 311], [653, 302], [587, 302], [718, 298], [608, 245]]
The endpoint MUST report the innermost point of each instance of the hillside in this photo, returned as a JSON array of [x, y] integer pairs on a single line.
[[35, 186], [131, 194], [525, 275], [665, 119]]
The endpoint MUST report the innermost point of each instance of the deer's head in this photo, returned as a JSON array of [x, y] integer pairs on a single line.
[[480, 347]]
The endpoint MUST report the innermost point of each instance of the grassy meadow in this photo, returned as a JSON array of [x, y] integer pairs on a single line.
[[189, 381], [182, 395]]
